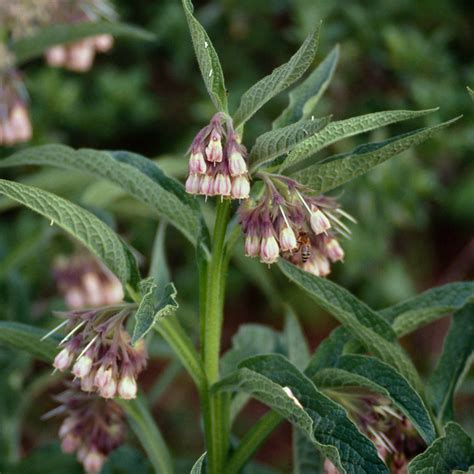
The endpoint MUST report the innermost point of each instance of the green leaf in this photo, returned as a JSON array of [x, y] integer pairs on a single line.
[[28, 338], [471, 92], [282, 77], [395, 387], [428, 306], [304, 98], [307, 458], [296, 344], [199, 465], [337, 170], [30, 47], [272, 144], [458, 348], [368, 327], [136, 174], [452, 451], [156, 304], [273, 380], [207, 58], [99, 238]]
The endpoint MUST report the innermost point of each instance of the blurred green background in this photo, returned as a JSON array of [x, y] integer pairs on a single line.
[[415, 213]]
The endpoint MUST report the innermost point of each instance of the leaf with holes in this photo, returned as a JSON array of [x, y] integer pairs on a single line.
[[336, 170], [207, 58], [156, 304], [281, 78], [273, 380], [277, 142], [30, 47], [98, 237], [304, 98]]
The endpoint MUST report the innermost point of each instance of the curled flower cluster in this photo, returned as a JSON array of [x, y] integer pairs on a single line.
[[83, 281], [99, 349], [289, 223], [15, 125], [395, 438], [93, 427], [217, 163]]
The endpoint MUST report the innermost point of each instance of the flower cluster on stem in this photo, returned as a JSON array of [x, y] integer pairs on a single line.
[[217, 163], [98, 347], [93, 427], [286, 221]]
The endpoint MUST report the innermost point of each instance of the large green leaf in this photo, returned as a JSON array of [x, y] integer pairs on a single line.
[[453, 451], [136, 174], [99, 238], [303, 155], [282, 77], [337, 170], [275, 143], [156, 303], [207, 58], [458, 348], [28, 338], [295, 342], [428, 306], [30, 47], [368, 327], [273, 380], [304, 98]]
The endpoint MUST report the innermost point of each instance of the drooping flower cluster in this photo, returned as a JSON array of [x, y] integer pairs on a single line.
[[85, 282], [93, 427], [288, 222], [15, 125], [99, 349], [394, 436], [217, 163]]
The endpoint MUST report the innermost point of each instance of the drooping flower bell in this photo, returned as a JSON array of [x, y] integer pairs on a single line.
[[98, 347], [93, 427], [217, 163], [83, 281], [288, 222]]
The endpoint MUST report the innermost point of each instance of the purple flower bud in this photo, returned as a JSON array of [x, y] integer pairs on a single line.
[[252, 245], [127, 388], [74, 298], [82, 367], [269, 250], [63, 360], [113, 292], [214, 148], [197, 164], [87, 382], [287, 239], [240, 187], [319, 221], [67, 426], [93, 289], [207, 185], [102, 377], [334, 251], [93, 461], [56, 56], [237, 164], [70, 443], [109, 389], [193, 184], [103, 43], [81, 56], [329, 467], [322, 264], [20, 122], [222, 185]]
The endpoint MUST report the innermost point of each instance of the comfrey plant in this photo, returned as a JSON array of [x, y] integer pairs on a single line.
[[357, 404]]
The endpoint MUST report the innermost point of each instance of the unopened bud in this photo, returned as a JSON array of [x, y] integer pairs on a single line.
[[81, 56], [127, 388], [222, 185], [93, 461], [56, 56], [102, 377], [63, 360], [87, 382], [287, 239], [237, 165], [20, 122], [319, 221], [74, 298], [109, 389], [207, 185], [197, 164], [103, 43], [82, 367], [113, 292], [93, 289], [70, 443], [334, 251], [323, 265], [240, 187], [269, 250], [193, 184], [252, 245], [214, 148]]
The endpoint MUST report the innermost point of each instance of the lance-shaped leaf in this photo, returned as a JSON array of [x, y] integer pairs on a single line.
[[30, 47], [273, 380], [337, 170], [303, 155], [458, 348], [139, 176], [28, 338], [200, 465], [156, 303], [368, 327], [277, 142], [207, 58], [98, 237], [428, 306], [304, 98], [281, 78], [452, 452], [295, 342], [391, 384]]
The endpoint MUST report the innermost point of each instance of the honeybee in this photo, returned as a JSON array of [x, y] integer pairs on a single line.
[[304, 246]]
